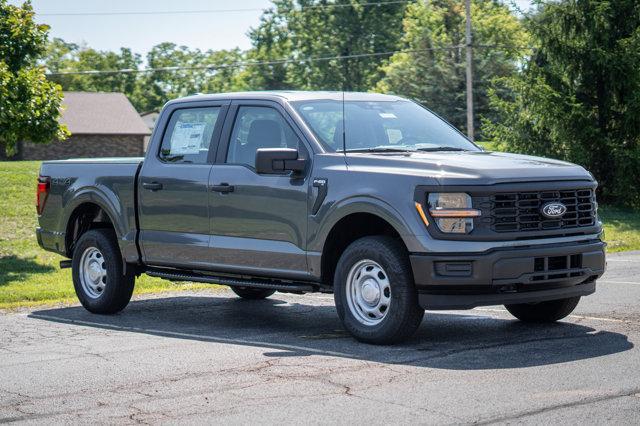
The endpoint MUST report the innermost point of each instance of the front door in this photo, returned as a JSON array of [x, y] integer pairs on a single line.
[[258, 222], [173, 188]]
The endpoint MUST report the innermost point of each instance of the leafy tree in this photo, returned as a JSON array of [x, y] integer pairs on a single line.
[[578, 97], [62, 57], [157, 87], [300, 29], [432, 70], [70, 57], [146, 90], [29, 104], [271, 42]]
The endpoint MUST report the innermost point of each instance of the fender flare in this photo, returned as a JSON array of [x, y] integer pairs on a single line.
[[370, 205], [94, 195]]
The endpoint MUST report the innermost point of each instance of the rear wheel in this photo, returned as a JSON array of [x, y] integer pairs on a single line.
[[374, 291], [98, 277], [252, 293], [550, 311]]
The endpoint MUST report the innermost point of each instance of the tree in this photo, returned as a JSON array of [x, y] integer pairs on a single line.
[[157, 87], [147, 90], [271, 42], [29, 103], [61, 56], [578, 97], [432, 70], [301, 29]]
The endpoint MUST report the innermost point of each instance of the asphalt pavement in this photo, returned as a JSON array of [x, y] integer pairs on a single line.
[[209, 356]]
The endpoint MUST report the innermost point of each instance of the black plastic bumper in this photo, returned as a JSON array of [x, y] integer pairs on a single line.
[[51, 241], [503, 276]]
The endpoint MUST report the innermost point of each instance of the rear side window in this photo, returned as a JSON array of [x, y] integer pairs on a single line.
[[189, 135]]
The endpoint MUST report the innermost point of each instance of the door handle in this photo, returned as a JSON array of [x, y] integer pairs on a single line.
[[152, 186], [223, 188]]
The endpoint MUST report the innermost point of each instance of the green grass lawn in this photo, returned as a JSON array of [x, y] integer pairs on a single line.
[[28, 274], [31, 276], [621, 228]]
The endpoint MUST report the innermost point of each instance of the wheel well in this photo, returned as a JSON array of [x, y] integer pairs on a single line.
[[85, 217], [347, 230]]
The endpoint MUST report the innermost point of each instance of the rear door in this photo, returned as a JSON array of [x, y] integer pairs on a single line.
[[173, 186], [258, 222]]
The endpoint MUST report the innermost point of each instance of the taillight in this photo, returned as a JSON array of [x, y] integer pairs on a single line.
[[44, 183]]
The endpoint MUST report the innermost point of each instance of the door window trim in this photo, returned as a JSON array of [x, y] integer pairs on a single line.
[[232, 115], [214, 143]]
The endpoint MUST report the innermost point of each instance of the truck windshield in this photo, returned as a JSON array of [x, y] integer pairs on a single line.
[[380, 126]]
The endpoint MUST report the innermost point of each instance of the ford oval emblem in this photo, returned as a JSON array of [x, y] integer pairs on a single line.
[[554, 210]]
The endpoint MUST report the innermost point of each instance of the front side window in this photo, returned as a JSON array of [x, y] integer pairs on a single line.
[[258, 127], [188, 136], [380, 126]]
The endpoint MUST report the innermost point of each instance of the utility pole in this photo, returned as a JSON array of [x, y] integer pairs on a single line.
[[469, 71]]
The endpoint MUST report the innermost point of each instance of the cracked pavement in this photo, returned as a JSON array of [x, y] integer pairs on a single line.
[[203, 356]]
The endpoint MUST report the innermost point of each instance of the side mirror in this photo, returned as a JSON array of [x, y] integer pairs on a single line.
[[272, 161]]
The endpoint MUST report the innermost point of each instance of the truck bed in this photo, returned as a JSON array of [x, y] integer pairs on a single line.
[[76, 184]]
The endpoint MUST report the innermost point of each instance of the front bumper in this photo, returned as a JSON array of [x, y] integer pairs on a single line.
[[503, 276]]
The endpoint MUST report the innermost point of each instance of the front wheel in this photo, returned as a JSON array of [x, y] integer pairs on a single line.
[[98, 277], [374, 291], [550, 311]]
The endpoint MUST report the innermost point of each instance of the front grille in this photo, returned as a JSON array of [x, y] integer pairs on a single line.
[[521, 211]]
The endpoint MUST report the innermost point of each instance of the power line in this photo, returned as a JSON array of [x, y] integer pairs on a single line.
[[248, 63], [273, 62], [172, 12]]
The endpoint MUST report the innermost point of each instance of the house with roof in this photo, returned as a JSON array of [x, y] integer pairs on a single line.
[[101, 125], [149, 118]]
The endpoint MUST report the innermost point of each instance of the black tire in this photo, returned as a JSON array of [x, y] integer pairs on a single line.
[[118, 286], [550, 311], [252, 293], [403, 315]]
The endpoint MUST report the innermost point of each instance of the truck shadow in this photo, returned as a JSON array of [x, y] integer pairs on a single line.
[[14, 268], [467, 341]]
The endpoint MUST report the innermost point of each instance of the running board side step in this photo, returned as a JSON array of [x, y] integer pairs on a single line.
[[290, 287]]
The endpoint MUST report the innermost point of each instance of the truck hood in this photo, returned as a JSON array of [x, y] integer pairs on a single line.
[[468, 167]]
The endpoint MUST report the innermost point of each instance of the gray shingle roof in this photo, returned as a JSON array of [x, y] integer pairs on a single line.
[[100, 113]]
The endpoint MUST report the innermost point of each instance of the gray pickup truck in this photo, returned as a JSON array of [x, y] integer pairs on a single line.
[[370, 197]]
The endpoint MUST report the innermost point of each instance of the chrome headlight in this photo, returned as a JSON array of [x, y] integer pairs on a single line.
[[452, 212]]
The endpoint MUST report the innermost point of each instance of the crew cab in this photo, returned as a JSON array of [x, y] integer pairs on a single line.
[[370, 197]]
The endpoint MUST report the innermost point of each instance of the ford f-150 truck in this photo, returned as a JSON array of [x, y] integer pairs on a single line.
[[370, 197]]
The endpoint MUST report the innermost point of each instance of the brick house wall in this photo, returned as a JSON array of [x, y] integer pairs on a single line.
[[82, 146]]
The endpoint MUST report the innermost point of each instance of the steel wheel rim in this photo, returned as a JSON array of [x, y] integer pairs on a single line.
[[368, 292], [93, 272]]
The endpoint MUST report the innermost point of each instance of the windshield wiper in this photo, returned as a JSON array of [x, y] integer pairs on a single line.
[[381, 149], [442, 148]]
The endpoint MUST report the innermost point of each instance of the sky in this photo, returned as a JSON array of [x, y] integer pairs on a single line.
[[140, 32]]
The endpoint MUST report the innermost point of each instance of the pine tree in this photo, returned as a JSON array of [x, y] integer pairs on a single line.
[[578, 97]]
